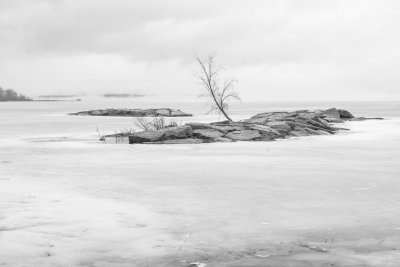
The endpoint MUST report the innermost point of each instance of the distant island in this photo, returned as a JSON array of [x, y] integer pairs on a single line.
[[153, 112], [122, 95], [58, 96], [11, 95]]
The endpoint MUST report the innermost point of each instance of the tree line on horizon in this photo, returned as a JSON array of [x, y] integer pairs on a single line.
[[12, 95]]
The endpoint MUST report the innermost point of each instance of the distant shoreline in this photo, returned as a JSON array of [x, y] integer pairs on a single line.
[[57, 100], [122, 95], [44, 100], [11, 95], [59, 96], [16, 100]]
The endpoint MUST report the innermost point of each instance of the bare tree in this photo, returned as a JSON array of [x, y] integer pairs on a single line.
[[220, 92]]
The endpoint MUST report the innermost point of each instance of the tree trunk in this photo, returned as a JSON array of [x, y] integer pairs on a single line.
[[226, 115]]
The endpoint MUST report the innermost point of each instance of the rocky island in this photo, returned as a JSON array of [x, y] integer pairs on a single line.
[[158, 112], [261, 127]]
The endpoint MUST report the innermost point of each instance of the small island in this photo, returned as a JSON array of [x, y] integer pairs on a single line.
[[267, 126], [58, 96], [154, 112], [11, 95]]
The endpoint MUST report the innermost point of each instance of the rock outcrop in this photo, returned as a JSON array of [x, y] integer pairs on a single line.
[[208, 134], [344, 114], [160, 112], [169, 133], [332, 113], [145, 136], [261, 127], [244, 135]]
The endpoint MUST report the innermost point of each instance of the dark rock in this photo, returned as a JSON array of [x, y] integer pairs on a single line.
[[265, 130], [225, 128], [179, 141], [312, 125], [207, 133], [98, 113], [307, 116], [333, 120], [178, 132], [164, 112], [291, 124], [315, 132], [257, 120], [245, 135], [280, 117], [303, 124], [292, 115], [199, 125], [178, 113], [321, 123], [331, 113], [228, 128], [232, 124], [322, 132], [269, 114], [298, 133], [139, 113], [280, 126], [221, 122], [223, 140], [344, 114], [263, 118], [145, 136], [261, 115]]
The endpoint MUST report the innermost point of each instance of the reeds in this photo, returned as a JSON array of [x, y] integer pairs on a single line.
[[154, 125]]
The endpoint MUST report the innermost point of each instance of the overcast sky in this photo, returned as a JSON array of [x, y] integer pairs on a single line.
[[277, 50]]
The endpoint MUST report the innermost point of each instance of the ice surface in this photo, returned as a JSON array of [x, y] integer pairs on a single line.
[[79, 202]]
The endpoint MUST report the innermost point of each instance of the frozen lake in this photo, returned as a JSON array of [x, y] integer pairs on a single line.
[[68, 200]]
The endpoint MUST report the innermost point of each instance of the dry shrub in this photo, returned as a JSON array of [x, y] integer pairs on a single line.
[[154, 125]]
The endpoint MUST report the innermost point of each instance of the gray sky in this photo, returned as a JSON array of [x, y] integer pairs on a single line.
[[278, 50]]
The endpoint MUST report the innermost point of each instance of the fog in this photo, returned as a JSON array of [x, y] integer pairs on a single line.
[[278, 50]]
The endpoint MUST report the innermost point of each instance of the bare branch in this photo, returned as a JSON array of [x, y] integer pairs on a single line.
[[209, 79]]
